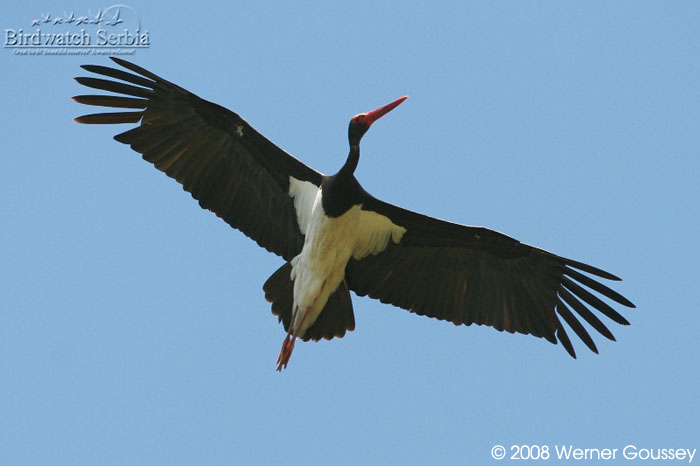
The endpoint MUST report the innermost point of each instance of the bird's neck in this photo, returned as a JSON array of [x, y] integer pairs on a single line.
[[342, 191], [351, 163]]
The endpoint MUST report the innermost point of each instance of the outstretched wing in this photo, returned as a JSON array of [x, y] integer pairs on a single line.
[[225, 164], [472, 275]]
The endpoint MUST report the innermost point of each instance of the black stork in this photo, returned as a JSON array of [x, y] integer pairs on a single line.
[[336, 237]]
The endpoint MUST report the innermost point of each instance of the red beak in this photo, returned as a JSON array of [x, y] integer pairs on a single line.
[[374, 115]]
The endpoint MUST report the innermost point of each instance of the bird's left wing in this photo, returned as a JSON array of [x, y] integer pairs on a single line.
[[225, 164], [469, 275]]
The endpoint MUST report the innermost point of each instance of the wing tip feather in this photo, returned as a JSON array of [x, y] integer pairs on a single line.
[[109, 118], [120, 61]]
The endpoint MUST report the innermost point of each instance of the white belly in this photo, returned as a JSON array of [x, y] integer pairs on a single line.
[[328, 245], [320, 267]]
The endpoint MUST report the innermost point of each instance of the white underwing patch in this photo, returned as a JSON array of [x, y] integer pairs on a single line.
[[304, 193], [374, 232]]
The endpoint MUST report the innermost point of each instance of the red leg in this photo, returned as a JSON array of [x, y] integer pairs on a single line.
[[288, 344]]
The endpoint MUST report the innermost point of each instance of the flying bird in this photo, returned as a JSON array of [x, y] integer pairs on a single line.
[[335, 237]]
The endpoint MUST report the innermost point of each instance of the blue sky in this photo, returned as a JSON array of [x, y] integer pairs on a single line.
[[133, 327]]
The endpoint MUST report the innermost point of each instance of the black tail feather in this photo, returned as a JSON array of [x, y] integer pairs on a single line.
[[336, 318], [279, 290]]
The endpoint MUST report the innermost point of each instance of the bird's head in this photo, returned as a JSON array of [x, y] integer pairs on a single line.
[[360, 123]]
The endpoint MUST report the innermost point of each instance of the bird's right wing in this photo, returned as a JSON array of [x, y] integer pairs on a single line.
[[473, 275], [225, 164]]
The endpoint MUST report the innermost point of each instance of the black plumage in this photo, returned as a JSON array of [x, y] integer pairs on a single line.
[[462, 274], [220, 159]]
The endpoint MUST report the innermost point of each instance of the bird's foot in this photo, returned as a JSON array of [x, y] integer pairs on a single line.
[[288, 343], [285, 352]]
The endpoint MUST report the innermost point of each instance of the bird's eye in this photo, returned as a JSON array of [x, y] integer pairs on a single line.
[[359, 118]]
